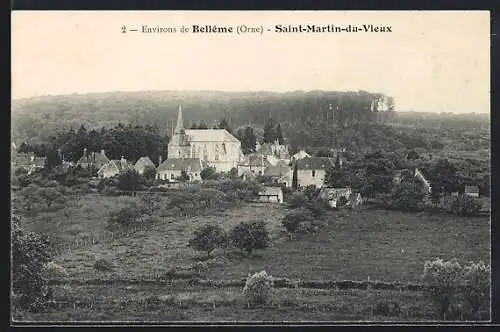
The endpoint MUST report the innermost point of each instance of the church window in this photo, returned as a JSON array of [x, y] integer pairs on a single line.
[[224, 147], [313, 173], [172, 176]]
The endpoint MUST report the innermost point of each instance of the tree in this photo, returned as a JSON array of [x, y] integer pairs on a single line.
[[279, 135], [295, 221], [248, 236], [207, 238], [464, 205], [408, 196], [224, 125], [51, 195], [248, 140], [30, 195], [124, 217], [209, 173], [202, 125], [149, 173], [269, 133], [294, 177], [443, 177], [130, 180], [30, 253], [184, 176]]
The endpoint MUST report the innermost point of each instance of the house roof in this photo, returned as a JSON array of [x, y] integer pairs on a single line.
[[144, 162], [100, 157], [180, 164], [334, 193], [281, 168], [301, 154], [270, 191], [255, 159], [471, 189], [315, 163], [121, 165], [94, 157], [210, 135]]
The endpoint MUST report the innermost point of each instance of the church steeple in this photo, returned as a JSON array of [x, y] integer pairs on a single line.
[[179, 128]]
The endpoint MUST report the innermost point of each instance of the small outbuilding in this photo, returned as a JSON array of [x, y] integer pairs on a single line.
[[271, 195]]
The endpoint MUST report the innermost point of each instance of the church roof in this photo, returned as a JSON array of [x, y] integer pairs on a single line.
[[181, 164], [210, 135]]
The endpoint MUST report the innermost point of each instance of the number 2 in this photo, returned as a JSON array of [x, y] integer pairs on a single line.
[[124, 29]]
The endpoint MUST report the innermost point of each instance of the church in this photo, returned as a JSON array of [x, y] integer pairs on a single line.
[[215, 147]]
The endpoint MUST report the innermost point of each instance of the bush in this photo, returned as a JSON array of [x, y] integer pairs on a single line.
[[297, 221], [297, 200], [461, 291], [102, 264], [126, 216], [464, 206], [130, 180], [209, 173], [207, 238], [248, 236], [407, 197], [30, 254], [258, 288]]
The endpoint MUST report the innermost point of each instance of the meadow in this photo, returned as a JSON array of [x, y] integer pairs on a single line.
[[359, 244]]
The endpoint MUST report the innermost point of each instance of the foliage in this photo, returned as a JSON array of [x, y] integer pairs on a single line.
[[279, 135], [30, 254], [124, 217], [149, 173], [209, 173], [248, 236], [443, 176], [248, 139], [269, 133], [297, 200], [299, 220], [207, 238], [102, 264], [462, 291], [258, 288], [408, 196], [464, 205], [130, 180]]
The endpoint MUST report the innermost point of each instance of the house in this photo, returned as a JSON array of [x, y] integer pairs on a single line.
[[420, 176], [271, 195], [274, 149], [172, 168], [472, 191], [216, 147], [142, 164], [95, 160], [312, 170], [254, 163], [114, 167], [337, 197], [300, 155], [281, 173], [29, 162]]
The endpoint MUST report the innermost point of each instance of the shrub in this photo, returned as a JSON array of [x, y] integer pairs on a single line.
[[207, 238], [102, 264], [55, 271], [461, 291], [258, 288], [126, 216], [248, 236], [297, 200], [407, 197], [298, 220], [30, 254], [209, 173], [383, 308], [464, 206]]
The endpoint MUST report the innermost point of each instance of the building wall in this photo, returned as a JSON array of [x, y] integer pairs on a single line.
[[472, 194], [172, 175], [108, 171], [305, 178], [248, 168], [223, 155]]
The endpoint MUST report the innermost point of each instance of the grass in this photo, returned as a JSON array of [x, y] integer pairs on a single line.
[[356, 244], [229, 304]]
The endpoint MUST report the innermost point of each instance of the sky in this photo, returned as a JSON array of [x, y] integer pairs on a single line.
[[431, 61]]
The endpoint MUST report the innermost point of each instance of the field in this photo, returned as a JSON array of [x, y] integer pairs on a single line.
[[356, 244]]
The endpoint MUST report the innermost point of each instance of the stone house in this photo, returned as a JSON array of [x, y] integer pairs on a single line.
[[312, 170], [253, 163], [471, 191], [142, 164], [171, 169], [29, 162], [281, 173], [114, 167], [271, 195], [335, 196], [274, 149]]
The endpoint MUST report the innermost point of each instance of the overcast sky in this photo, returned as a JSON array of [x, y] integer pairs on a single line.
[[431, 61]]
